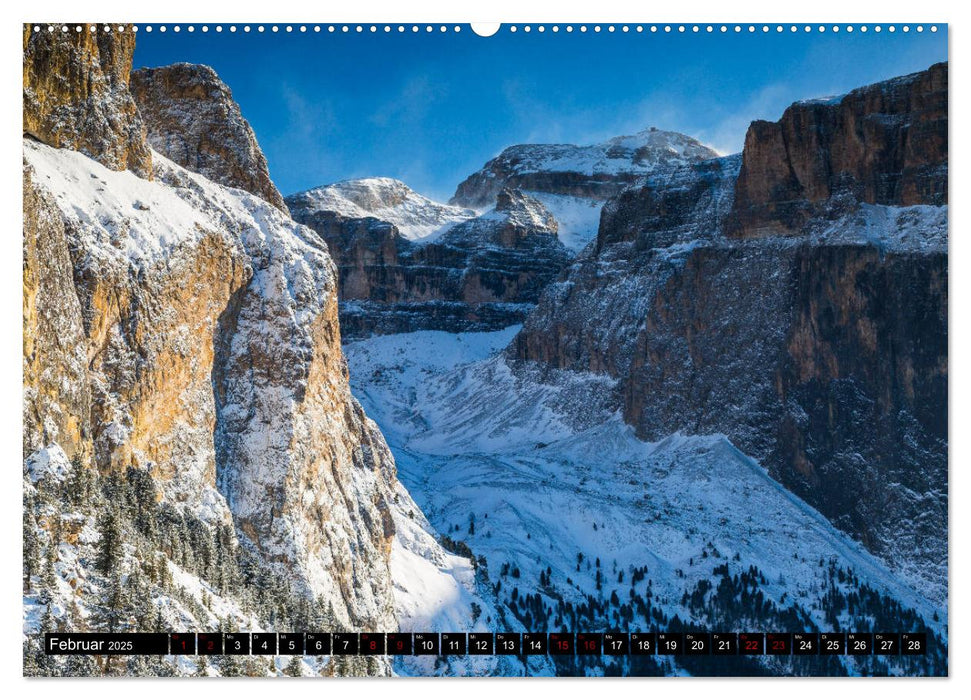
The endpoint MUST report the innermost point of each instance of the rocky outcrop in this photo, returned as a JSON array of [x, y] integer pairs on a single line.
[[645, 235], [213, 361], [821, 352], [192, 119], [481, 274], [76, 95], [880, 144], [188, 329]]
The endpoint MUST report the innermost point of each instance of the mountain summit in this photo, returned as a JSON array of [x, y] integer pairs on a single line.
[[572, 181], [415, 216]]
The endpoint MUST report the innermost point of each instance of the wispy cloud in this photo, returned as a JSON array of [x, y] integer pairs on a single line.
[[411, 103], [721, 126], [304, 143]]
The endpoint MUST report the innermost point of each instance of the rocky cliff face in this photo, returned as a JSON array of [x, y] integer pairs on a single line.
[[192, 119], [76, 96], [821, 352], [57, 396], [880, 144], [645, 236], [190, 330], [483, 273]]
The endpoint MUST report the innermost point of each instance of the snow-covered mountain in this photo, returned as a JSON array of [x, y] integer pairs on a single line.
[[793, 298], [191, 118], [572, 181], [416, 217], [584, 526], [682, 432]]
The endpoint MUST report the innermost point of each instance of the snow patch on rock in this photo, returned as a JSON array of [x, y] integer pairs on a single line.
[[49, 462]]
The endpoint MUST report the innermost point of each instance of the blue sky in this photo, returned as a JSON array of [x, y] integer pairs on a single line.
[[430, 109]]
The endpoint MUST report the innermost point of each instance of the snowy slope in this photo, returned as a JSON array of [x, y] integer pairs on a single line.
[[415, 216], [577, 217], [531, 472], [438, 591]]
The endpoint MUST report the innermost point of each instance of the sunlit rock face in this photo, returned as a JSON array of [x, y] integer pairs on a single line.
[[76, 96], [880, 144], [180, 326]]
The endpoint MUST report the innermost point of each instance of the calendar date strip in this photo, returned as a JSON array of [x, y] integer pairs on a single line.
[[487, 643]]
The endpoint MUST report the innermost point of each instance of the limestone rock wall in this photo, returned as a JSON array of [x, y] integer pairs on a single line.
[[189, 329], [883, 144], [76, 95], [191, 118], [481, 274], [816, 343], [57, 396]]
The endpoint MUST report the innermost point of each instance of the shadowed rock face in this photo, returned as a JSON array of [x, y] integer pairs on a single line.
[[589, 318], [76, 96], [192, 119], [883, 144], [816, 343], [57, 398], [481, 274], [827, 363]]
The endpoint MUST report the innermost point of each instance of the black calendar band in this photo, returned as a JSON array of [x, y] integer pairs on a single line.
[[488, 643]]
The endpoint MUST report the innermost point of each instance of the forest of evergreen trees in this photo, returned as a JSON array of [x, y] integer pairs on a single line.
[[129, 587], [733, 599]]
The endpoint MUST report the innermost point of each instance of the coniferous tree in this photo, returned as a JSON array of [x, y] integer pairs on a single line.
[[31, 544], [80, 666], [110, 548], [74, 486], [294, 669], [113, 614], [230, 666], [158, 624], [48, 581], [140, 600], [32, 661], [138, 665], [48, 623], [202, 665]]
